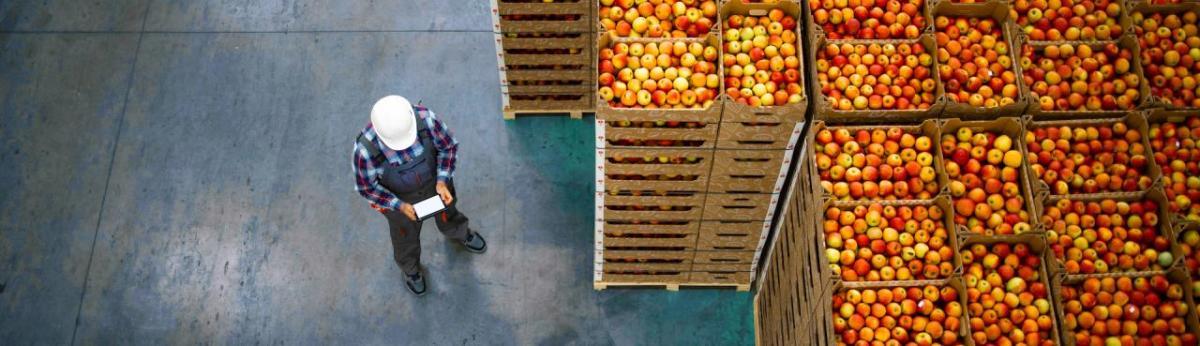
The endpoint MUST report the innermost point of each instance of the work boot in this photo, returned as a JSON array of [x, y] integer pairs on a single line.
[[415, 283], [475, 243]]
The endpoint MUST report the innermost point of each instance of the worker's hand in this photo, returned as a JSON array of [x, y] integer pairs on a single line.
[[408, 211], [444, 191]]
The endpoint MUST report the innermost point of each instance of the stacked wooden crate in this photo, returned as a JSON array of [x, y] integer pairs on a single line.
[[791, 289], [686, 196], [545, 54]]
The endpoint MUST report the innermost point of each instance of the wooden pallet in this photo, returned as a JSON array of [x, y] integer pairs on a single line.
[[513, 114], [668, 286]]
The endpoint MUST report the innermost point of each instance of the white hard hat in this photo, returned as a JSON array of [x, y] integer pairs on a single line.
[[394, 122]]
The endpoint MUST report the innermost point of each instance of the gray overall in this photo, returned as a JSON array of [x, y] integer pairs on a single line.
[[413, 182]]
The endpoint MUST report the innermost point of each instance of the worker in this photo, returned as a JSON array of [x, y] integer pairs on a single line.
[[404, 156]]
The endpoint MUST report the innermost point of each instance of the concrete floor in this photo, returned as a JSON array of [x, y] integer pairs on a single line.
[[178, 172]]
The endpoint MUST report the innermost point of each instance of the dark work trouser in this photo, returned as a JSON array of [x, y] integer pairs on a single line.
[[406, 234]]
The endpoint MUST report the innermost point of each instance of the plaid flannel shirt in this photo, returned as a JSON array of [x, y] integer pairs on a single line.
[[368, 171]]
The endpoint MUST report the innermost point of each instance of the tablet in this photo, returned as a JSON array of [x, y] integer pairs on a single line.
[[429, 207]]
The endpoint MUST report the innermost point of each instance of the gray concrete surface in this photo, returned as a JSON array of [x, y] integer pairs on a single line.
[[191, 184]]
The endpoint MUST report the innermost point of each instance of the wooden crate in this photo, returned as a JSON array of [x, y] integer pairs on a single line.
[[999, 11], [740, 206], [538, 16], [730, 235], [759, 135], [545, 55], [735, 111], [625, 134]]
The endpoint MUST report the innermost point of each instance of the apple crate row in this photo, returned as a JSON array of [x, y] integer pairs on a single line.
[[1042, 20], [1056, 79], [1002, 296], [1141, 151], [748, 68], [1137, 232], [964, 66], [977, 164]]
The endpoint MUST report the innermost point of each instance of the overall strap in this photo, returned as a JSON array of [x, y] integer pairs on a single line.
[[423, 132], [372, 149]]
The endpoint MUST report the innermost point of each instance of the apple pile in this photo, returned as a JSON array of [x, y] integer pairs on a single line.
[[1123, 310], [878, 164], [1175, 151], [984, 171], [1170, 56], [659, 75], [867, 19], [1107, 236], [657, 18], [876, 76], [877, 242], [1089, 159], [974, 63], [927, 315], [762, 67], [1080, 78], [1189, 244], [1007, 299], [1070, 20]]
